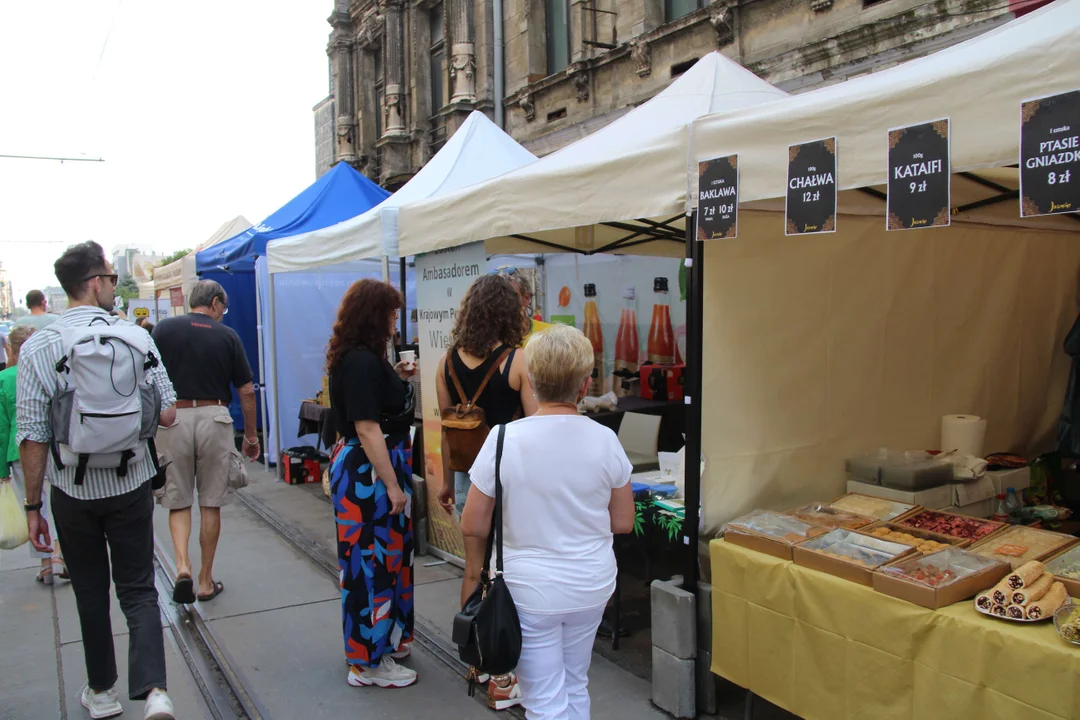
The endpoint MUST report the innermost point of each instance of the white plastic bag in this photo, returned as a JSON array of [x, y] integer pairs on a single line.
[[13, 530]]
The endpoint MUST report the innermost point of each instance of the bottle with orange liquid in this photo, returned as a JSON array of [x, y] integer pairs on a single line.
[[596, 337], [661, 346], [627, 353]]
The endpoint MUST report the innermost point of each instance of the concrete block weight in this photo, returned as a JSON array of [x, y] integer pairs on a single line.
[[674, 619], [673, 684]]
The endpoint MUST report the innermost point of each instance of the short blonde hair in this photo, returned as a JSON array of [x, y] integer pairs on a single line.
[[558, 360], [18, 335]]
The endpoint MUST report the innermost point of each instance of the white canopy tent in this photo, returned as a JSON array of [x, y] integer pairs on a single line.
[[590, 195], [477, 151], [181, 273], [819, 347]]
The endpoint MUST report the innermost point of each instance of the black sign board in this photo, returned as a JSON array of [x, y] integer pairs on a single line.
[[811, 193], [919, 173], [718, 198], [1050, 155]]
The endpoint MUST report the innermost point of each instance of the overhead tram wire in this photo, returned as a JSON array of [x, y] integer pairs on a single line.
[[50, 157]]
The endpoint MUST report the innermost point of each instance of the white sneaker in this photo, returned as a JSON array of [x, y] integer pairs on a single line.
[[388, 675], [158, 706], [404, 652], [101, 704]]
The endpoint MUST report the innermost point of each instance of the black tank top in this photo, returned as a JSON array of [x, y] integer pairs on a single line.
[[500, 402]]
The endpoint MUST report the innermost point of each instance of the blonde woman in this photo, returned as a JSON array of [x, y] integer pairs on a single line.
[[10, 467], [566, 492]]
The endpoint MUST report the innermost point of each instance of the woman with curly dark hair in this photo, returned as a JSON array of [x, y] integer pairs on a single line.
[[371, 485], [484, 366]]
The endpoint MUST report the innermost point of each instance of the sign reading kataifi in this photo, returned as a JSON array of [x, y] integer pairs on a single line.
[[811, 188], [1050, 155], [919, 175], [718, 198]]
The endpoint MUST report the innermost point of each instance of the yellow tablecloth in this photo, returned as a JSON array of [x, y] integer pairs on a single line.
[[822, 647]]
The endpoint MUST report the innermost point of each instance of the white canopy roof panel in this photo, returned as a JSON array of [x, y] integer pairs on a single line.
[[979, 84], [477, 151], [182, 271], [633, 168]]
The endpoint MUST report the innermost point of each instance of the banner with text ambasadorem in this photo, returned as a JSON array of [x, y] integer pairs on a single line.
[[442, 278]]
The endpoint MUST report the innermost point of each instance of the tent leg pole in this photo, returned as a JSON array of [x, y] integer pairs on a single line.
[[405, 311], [693, 383], [273, 378], [262, 371]]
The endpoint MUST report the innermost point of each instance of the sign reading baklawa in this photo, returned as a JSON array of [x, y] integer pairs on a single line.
[[1050, 155], [919, 175], [718, 198], [811, 188]]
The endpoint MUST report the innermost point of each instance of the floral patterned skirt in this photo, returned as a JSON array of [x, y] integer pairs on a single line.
[[375, 553]]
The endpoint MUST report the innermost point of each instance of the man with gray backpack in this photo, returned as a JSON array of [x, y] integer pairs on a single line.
[[91, 394]]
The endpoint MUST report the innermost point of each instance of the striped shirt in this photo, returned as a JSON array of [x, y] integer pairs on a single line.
[[38, 382]]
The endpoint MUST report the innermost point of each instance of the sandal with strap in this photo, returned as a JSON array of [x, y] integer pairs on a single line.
[[45, 577], [63, 574]]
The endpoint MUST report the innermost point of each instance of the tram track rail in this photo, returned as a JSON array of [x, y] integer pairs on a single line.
[[224, 691]]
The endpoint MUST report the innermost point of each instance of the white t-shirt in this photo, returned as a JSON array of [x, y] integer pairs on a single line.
[[558, 472]]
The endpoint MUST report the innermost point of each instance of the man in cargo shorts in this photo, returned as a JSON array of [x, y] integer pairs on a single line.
[[205, 360]]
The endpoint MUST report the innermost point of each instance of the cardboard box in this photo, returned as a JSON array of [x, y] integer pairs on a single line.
[[1072, 585], [1000, 526], [1019, 479], [760, 543], [934, 598], [999, 538], [912, 509], [853, 572], [970, 493], [984, 509], [931, 498]]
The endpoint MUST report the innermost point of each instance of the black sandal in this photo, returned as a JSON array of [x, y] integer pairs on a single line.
[[184, 590], [218, 588]]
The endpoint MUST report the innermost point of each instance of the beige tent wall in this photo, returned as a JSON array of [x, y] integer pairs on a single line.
[[823, 346]]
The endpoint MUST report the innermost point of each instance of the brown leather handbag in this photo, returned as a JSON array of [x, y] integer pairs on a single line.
[[465, 424]]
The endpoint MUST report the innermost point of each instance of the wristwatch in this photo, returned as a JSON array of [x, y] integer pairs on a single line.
[[36, 506]]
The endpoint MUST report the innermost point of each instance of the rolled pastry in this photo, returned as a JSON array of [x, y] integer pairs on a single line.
[[1034, 591], [1026, 574], [1045, 606], [1015, 612], [1000, 592], [983, 601], [998, 610]]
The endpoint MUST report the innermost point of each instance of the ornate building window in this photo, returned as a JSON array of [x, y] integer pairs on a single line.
[[436, 19], [675, 9], [558, 35]]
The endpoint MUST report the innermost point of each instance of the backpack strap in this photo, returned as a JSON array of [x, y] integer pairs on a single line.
[[490, 373], [453, 375], [80, 469]]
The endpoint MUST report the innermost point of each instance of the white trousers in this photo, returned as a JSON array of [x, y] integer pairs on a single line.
[[553, 671], [18, 484]]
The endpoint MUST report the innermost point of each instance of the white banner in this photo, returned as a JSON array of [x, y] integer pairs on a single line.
[[442, 278]]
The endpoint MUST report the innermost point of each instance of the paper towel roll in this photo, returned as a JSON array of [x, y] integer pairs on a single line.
[[964, 433]]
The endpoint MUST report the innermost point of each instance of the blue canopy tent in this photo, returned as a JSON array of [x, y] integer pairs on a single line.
[[338, 195]]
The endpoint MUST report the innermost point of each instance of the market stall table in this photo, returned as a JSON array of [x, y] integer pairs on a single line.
[[315, 419], [823, 647]]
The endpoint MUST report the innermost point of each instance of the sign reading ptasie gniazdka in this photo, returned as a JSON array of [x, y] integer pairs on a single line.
[[811, 188], [919, 176], [1050, 155]]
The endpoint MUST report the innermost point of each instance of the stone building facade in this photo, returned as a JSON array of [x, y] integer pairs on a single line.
[[404, 74]]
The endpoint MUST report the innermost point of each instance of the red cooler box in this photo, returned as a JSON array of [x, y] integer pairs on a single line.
[[662, 382], [303, 465]]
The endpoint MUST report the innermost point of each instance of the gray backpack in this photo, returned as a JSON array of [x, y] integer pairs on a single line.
[[106, 409]]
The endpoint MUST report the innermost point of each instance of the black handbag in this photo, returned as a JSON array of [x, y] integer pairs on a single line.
[[487, 631]]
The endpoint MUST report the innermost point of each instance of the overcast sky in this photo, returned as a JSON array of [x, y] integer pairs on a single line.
[[201, 111]]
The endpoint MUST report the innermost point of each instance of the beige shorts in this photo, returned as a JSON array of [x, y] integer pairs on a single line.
[[203, 457]]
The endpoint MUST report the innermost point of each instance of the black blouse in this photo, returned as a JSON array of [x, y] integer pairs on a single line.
[[365, 387]]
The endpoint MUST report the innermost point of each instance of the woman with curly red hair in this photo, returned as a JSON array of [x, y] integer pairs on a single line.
[[484, 365], [371, 486]]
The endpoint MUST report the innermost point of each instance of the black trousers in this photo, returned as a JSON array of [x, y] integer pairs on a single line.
[[90, 532]]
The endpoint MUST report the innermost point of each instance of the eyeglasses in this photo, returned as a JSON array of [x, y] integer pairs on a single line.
[[113, 277], [505, 272]]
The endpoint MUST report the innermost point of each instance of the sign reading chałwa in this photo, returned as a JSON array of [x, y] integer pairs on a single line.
[[718, 198], [1050, 155], [919, 174], [811, 188]]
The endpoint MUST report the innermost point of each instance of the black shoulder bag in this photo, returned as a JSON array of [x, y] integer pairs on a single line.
[[487, 630]]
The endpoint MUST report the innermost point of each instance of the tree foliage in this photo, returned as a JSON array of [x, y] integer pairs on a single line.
[[174, 257], [128, 289]]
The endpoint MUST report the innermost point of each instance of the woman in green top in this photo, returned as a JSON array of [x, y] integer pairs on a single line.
[[10, 467]]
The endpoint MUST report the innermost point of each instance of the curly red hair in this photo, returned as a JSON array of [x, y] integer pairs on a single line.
[[363, 319]]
